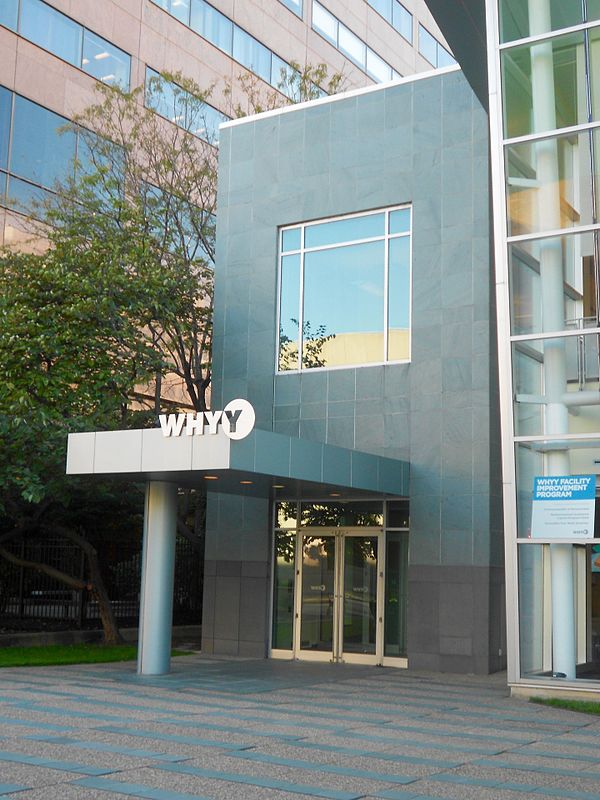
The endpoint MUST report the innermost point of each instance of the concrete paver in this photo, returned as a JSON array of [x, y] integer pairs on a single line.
[[241, 729]]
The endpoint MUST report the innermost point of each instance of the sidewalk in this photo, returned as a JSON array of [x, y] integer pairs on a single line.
[[241, 730]]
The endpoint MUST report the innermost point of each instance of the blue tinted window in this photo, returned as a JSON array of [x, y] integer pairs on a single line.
[[377, 67], [427, 46], [400, 220], [105, 61], [9, 11], [354, 298], [343, 305], [180, 9], [39, 153], [325, 23], [182, 108], [289, 312], [345, 230], [444, 57], [384, 7], [290, 239], [5, 111], [251, 54], [402, 20], [51, 30], [212, 25], [399, 299], [294, 5], [285, 78], [24, 197]]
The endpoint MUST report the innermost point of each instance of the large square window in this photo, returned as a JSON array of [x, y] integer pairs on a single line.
[[344, 291]]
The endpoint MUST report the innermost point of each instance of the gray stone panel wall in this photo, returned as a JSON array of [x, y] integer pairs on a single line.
[[423, 143]]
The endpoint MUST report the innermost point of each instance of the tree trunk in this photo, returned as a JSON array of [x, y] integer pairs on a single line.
[[112, 634]]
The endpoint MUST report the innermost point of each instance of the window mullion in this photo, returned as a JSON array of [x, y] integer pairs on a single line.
[[386, 299], [301, 302]]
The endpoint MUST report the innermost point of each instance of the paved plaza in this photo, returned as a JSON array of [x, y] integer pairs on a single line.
[[244, 729]]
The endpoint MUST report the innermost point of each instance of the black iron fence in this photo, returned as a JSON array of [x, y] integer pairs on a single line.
[[27, 595]]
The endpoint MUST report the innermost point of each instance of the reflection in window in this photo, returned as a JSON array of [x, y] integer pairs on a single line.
[[362, 264], [45, 26], [180, 9], [396, 593], [550, 183], [175, 104], [534, 369], [212, 25], [349, 44], [252, 54], [574, 256], [9, 12], [515, 23], [5, 117], [105, 61], [38, 152], [51, 30], [396, 14], [220, 31], [293, 5], [283, 590], [520, 65], [432, 50], [354, 513]]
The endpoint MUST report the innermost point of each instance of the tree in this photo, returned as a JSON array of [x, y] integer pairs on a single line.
[[119, 303]]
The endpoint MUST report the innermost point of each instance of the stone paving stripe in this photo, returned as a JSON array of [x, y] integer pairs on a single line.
[[552, 754], [508, 717], [569, 794], [266, 783], [171, 737], [102, 747], [293, 712], [565, 794], [70, 712], [92, 701], [46, 726], [283, 722], [449, 748], [401, 759], [63, 766], [392, 794], [135, 790], [229, 728], [397, 740], [466, 780], [567, 773], [8, 788], [445, 732], [328, 768]]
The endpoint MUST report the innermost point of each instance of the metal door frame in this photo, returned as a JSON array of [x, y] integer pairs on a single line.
[[337, 654]]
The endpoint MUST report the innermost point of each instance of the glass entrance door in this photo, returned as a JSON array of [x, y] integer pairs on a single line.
[[339, 595]]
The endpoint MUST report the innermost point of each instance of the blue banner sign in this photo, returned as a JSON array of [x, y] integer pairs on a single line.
[[563, 507]]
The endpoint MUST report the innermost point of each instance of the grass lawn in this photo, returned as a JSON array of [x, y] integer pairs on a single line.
[[55, 654], [585, 706]]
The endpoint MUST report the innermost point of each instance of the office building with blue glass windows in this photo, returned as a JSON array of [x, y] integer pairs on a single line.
[[407, 294]]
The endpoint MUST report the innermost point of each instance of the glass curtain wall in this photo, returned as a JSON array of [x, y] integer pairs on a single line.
[[544, 68]]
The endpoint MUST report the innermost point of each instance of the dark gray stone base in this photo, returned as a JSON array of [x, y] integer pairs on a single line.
[[236, 608], [456, 619]]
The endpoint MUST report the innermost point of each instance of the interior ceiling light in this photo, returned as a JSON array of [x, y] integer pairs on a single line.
[[246, 483], [278, 486], [211, 477], [100, 56], [335, 494]]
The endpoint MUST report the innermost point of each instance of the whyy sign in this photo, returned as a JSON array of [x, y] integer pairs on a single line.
[[236, 420]]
